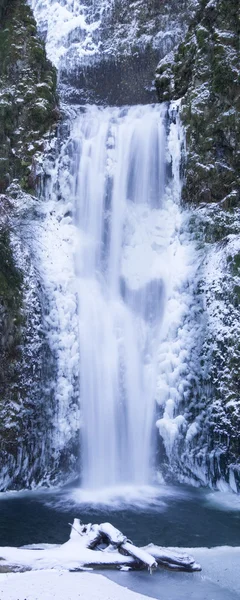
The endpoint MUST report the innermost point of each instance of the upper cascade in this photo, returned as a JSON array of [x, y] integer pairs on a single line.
[[107, 51], [70, 28]]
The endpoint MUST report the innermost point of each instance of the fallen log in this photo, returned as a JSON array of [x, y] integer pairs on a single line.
[[90, 534], [121, 552], [172, 558], [115, 537], [141, 555], [118, 540]]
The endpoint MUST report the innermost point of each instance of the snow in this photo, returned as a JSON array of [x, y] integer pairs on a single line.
[[54, 248], [71, 29], [219, 580], [71, 555], [62, 586], [58, 21]]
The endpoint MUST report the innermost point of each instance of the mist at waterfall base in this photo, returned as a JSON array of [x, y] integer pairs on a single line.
[[182, 517]]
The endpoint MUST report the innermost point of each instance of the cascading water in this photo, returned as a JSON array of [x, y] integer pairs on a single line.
[[118, 252], [120, 175], [120, 276]]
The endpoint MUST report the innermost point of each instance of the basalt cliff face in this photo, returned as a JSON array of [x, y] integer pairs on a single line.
[[107, 51], [204, 72], [27, 110]]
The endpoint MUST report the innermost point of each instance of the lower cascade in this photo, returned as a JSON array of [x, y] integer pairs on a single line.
[[127, 269]]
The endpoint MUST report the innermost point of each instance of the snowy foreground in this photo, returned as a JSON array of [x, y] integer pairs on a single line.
[[58, 571], [63, 586], [99, 546], [219, 580]]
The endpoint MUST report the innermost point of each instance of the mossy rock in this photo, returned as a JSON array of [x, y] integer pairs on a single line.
[[27, 88], [205, 74]]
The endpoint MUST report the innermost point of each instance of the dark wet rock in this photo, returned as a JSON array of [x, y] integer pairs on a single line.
[[27, 111], [27, 94], [204, 72]]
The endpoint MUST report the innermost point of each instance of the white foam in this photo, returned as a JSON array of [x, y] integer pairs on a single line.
[[118, 497], [224, 500]]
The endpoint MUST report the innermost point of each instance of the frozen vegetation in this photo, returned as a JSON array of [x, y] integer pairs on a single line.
[[117, 250], [106, 51], [204, 72]]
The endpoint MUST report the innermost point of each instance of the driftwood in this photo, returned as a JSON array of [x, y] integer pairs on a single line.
[[113, 549]]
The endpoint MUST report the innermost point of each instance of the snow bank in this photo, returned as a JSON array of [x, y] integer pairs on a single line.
[[218, 580], [63, 586]]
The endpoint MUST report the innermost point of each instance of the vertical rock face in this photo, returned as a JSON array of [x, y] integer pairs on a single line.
[[27, 94], [25, 392], [204, 72], [27, 105]]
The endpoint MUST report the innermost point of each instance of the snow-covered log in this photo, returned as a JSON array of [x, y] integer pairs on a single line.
[[119, 540], [140, 555], [109, 539], [172, 559], [115, 537]]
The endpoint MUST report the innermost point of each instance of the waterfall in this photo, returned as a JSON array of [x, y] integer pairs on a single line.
[[120, 289], [119, 178], [119, 270]]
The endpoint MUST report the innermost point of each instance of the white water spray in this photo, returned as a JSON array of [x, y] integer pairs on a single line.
[[134, 268], [132, 271], [119, 180]]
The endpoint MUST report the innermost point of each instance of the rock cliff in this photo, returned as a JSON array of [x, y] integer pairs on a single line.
[[204, 72], [27, 110]]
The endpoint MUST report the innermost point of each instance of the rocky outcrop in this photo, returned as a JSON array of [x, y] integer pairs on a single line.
[[207, 449], [27, 94], [134, 36], [27, 111], [204, 73], [109, 52], [26, 361]]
